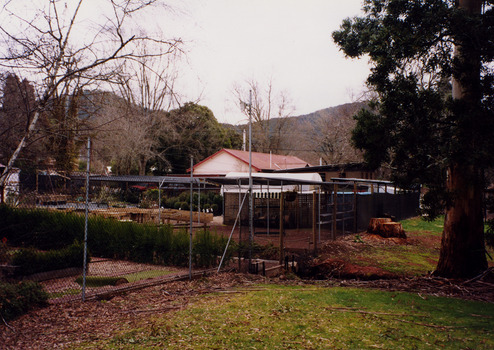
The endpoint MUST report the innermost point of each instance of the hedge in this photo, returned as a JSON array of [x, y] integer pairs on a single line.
[[17, 299], [31, 261], [109, 238]]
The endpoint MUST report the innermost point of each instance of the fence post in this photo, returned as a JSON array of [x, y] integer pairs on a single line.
[[84, 263], [282, 209], [335, 201], [314, 236], [190, 210]]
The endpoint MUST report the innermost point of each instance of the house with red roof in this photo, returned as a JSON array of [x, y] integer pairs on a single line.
[[231, 160]]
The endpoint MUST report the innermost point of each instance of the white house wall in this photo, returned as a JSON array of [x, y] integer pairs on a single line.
[[222, 164]]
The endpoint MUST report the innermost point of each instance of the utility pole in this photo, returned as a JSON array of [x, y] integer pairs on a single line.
[[251, 202]]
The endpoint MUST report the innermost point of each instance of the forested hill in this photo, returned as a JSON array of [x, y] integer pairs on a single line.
[[341, 111], [323, 135]]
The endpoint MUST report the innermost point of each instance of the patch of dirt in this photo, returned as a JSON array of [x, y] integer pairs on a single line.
[[340, 268], [346, 257]]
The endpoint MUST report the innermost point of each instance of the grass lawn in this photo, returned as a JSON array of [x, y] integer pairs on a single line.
[[314, 317]]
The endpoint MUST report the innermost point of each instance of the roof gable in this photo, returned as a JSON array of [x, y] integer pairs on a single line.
[[260, 161]]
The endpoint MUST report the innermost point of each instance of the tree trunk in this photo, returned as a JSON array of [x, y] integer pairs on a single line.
[[462, 244]]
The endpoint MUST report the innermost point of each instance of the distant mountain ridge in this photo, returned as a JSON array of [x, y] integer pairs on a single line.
[[321, 136], [332, 112]]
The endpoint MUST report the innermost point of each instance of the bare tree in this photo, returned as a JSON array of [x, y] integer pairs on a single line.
[[331, 135], [136, 119], [270, 110], [63, 51]]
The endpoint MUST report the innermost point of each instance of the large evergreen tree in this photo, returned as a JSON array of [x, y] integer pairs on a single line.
[[433, 121], [194, 131]]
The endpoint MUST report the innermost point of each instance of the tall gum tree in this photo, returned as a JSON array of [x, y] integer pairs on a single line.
[[433, 119]]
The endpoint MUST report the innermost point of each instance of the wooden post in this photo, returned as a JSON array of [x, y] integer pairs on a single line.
[[314, 218], [282, 209]]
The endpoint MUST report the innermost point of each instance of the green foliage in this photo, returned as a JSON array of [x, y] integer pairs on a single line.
[[31, 261], [209, 200], [40, 228], [414, 124], [208, 247], [419, 225], [197, 133], [57, 231], [17, 299]]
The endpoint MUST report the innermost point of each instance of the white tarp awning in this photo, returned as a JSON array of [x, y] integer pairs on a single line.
[[270, 182]]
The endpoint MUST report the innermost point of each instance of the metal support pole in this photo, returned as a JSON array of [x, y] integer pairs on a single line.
[[268, 214], [319, 213], [282, 243], [199, 203], [335, 211], [355, 217], [251, 203], [84, 263], [239, 215], [314, 238], [190, 210]]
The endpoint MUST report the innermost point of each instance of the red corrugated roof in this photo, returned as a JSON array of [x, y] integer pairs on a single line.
[[263, 161]]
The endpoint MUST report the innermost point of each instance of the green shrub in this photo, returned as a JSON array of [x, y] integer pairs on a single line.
[[17, 299], [31, 261], [208, 247], [208, 200], [40, 228], [180, 248], [51, 231]]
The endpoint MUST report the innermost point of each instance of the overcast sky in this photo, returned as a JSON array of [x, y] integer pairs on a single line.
[[231, 41], [289, 41]]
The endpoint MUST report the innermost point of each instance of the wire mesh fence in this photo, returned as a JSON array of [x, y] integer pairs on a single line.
[[135, 235], [140, 230]]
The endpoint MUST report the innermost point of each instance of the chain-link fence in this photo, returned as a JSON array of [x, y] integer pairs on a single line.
[[137, 231]]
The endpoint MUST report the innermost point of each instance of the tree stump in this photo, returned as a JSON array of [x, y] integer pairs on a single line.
[[375, 225], [386, 228], [392, 229]]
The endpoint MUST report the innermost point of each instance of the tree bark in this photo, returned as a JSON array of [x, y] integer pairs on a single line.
[[462, 245]]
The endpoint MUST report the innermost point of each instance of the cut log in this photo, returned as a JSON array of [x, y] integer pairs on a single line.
[[375, 225]]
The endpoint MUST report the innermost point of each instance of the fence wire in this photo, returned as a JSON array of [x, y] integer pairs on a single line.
[[131, 240], [138, 234]]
